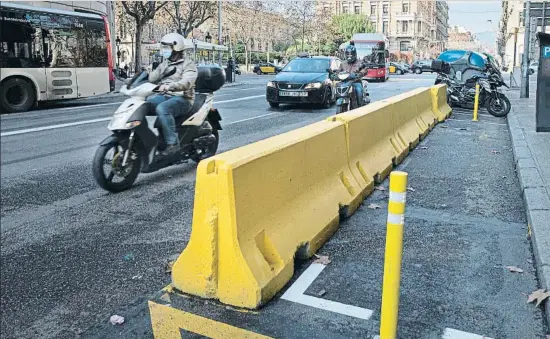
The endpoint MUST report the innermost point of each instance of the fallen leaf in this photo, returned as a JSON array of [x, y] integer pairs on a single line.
[[495, 151], [443, 205], [410, 189], [423, 147], [136, 277], [322, 259], [116, 320], [322, 293], [514, 269], [444, 126], [374, 206], [166, 298], [530, 261], [504, 177], [380, 188], [168, 266], [539, 296], [548, 336]]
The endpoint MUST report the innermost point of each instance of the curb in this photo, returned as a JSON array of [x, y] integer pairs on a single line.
[[537, 203]]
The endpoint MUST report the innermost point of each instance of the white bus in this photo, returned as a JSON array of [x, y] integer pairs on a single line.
[[48, 54]]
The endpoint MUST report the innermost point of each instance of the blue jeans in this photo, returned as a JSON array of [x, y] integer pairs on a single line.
[[167, 108], [359, 93]]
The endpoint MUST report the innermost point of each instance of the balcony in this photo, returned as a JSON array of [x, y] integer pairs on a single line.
[[405, 16], [404, 34]]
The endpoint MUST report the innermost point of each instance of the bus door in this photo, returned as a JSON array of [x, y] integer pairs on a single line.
[[93, 74]]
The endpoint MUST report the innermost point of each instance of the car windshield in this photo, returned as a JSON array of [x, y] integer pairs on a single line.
[[307, 66]]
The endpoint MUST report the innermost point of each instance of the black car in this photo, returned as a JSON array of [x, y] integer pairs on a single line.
[[304, 80], [420, 66]]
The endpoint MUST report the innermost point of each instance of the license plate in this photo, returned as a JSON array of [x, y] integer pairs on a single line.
[[292, 94]]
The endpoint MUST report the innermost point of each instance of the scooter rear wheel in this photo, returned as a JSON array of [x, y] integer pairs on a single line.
[[128, 173]]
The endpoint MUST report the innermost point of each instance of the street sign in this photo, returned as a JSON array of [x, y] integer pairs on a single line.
[[546, 52]]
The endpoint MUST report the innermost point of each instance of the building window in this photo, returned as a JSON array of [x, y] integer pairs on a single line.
[[372, 9], [404, 26], [357, 9], [385, 26], [406, 7], [385, 8], [405, 46], [419, 27], [345, 8]]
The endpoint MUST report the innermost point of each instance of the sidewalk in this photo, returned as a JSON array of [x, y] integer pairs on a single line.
[[532, 159]]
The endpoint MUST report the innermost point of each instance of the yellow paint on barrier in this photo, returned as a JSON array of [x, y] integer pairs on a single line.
[[167, 323], [255, 206], [373, 148], [440, 107]]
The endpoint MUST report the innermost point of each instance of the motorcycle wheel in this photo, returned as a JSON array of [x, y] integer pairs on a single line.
[[496, 109], [210, 151], [128, 174], [328, 99]]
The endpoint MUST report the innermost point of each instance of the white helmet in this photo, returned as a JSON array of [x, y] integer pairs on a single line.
[[176, 41]]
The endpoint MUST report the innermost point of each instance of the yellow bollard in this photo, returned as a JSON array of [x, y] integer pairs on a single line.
[[476, 103], [394, 251]]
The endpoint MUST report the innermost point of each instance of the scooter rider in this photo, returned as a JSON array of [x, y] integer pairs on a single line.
[[167, 107], [352, 65]]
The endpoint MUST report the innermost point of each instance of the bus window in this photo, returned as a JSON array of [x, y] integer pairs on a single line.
[[20, 41]]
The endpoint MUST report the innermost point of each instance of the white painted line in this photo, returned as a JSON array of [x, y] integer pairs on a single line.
[[76, 123], [456, 334], [296, 294], [45, 128], [239, 99], [247, 119]]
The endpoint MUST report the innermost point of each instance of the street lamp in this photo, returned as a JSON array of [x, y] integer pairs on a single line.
[[117, 42]]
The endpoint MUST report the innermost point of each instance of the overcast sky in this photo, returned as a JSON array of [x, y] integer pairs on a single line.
[[474, 14]]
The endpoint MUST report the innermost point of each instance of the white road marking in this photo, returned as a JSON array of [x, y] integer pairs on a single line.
[[456, 334], [480, 121], [295, 293], [77, 123], [247, 119]]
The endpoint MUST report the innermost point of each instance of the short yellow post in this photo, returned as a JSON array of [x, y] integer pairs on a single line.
[[394, 251], [476, 103]]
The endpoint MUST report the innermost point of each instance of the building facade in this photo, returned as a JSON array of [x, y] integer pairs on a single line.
[[105, 8], [415, 29], [461, 38], [512, 33]]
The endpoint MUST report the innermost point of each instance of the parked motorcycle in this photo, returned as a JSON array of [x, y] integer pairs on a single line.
[[463, 94], [137, 141], [346, 99]]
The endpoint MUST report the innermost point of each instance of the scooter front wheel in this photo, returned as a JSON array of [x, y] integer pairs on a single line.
[[108, 170]]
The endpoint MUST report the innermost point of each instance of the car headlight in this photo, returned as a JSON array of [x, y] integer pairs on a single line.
[[313, 85], [271, 84]]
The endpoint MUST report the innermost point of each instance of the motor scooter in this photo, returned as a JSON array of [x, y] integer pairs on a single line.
[[346, 99], [136, 142]]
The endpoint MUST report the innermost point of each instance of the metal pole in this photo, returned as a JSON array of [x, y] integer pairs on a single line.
[[515, 46], [524, 90], [476, 103], [544, 16], [219, 30]]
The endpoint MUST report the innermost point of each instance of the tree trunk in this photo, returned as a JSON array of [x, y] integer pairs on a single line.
[[246, 56], [178, 17], [139, 29]]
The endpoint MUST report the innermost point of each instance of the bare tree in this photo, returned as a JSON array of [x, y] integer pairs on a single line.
[[141, 12], [188, 15], [301, 15], [503, 36]]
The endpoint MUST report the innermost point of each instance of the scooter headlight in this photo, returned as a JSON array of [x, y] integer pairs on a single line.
[[132, 124]]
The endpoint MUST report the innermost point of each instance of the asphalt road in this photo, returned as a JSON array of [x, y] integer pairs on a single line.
[[72, 254]]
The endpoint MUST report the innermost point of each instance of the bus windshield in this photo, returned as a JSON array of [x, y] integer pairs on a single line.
[[370, 52]]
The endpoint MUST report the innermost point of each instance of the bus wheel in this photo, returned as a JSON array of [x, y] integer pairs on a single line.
[[16, 95]]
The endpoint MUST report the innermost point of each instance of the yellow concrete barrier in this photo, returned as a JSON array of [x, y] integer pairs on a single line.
[[255, 206], [411, 118], [372, 145], [440, 107]]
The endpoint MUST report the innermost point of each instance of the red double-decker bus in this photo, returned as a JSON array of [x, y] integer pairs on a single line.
[[372, 49]]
